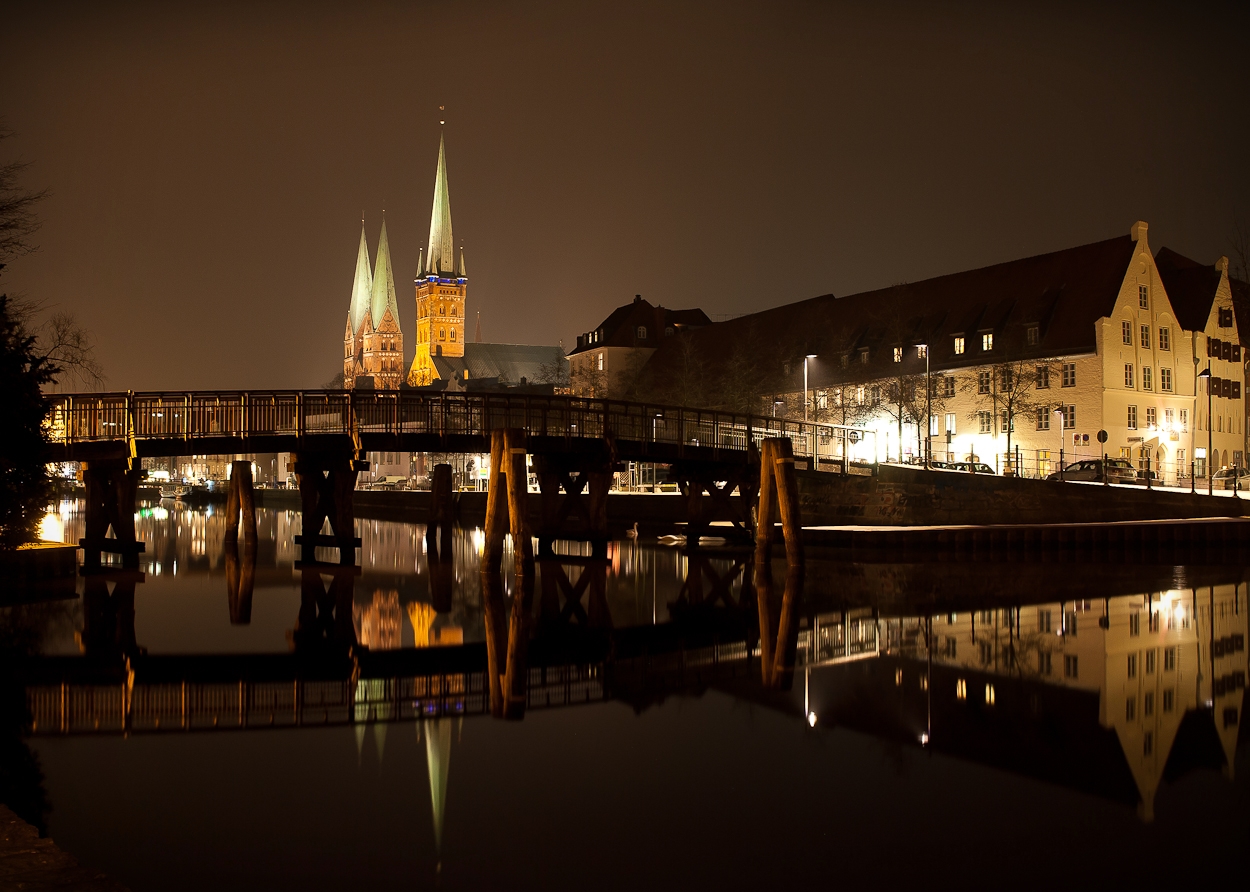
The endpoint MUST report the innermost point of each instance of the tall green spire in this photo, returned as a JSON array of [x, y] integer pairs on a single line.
[[362, 284], [440, 259], [383, 282]]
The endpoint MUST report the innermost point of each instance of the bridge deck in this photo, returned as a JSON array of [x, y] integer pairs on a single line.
[[105, 425]]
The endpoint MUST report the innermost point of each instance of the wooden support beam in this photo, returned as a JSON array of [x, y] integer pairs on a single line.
[[778, 486], [438, 525], [324, 624], [505, 503], [240, 579], [108, 630], [779, 624], [111, 487], [708, 488], [326, 484], [241, 503], [562, 600], [574, 497]]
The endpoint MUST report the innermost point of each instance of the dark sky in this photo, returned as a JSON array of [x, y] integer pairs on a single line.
[[209, 166]]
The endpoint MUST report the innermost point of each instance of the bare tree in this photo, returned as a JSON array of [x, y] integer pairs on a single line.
[[555, 372], [1239, 241], [18, 222], [335, 383], [1009, 390]]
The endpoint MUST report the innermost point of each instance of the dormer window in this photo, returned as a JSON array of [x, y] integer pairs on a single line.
[[846, 360], [922, 351], [863, 356], [898, 354], [1030, 335], [959, 345], [987, 341]]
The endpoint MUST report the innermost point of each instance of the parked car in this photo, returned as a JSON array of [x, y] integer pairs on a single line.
[[975, 467], [1117, 470], [1226, 477]]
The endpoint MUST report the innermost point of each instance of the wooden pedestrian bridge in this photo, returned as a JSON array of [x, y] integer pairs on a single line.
[[576, 445]]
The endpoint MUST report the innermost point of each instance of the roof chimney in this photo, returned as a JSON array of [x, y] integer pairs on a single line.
[[1138, 232], [637, 298]]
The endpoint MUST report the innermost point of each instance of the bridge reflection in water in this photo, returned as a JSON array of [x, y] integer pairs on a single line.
[[977, 661]]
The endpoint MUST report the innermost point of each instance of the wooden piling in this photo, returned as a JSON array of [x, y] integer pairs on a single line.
[[779, 484], [506, 503]]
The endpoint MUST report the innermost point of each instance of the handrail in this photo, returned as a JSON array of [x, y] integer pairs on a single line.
[[197, 415]]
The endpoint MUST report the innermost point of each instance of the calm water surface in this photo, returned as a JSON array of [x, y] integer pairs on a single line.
[[935, 724]]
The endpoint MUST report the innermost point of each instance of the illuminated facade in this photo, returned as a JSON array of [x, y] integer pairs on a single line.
[[373, 343], [441, 289]]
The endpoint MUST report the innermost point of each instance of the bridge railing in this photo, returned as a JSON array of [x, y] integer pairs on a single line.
[[80, 418]]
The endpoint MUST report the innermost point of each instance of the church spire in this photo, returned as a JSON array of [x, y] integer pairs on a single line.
[[383, 291], [362, 284], [441, 259]]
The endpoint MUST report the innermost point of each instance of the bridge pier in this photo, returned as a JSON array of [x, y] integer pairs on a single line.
[[507, 644], [325, 614], [240, 577], [779, 625], [326, 484], [241, 503], [562, 599], [506, 503], [708, 488], [110, 494], [566, 512], [778, 493]]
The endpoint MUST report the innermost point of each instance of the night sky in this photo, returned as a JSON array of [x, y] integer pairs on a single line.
[[209, 167]]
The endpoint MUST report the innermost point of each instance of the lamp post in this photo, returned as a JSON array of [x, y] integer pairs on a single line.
[[928, 408], [805, 359], [1206, 373], [1059, 413]]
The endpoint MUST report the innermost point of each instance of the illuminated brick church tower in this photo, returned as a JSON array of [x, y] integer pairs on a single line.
[[441, 287], [373, 345]]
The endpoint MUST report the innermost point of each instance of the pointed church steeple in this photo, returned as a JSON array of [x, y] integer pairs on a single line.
[[441, 259], [383, 290], [362, 283]]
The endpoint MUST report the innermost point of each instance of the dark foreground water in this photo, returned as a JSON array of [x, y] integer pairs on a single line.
[[929, 724]]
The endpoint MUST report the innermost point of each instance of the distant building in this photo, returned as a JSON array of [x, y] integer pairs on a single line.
[[1041, 353], [608, 359], [443, 359], [373, 344]]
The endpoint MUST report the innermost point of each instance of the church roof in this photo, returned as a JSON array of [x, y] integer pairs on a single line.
[[440, 258], [383, 291], [362, 283], [507, 362]]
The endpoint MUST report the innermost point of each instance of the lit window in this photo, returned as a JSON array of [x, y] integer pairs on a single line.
[[1165, 339], [959, 345], [1143, 297], [1069, 374], [961, 689], [600, 362], [1031, 335], [1126, 332], [1128, 374], [1184, 420], [922, 350], [1132, 418], [1165, 381], [898, 677], [987, 341], [898, 354], [1145, 337], [950, 422], [989, 695]]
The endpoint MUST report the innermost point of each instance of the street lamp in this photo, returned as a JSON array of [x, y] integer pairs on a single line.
[[1059, 413], [928, 408], [777, 402], [805, 359], [1206, 373]]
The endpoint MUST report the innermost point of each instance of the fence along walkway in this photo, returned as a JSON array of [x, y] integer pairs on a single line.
[[81, 426]]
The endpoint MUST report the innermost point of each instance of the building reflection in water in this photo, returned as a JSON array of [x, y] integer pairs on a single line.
[[1108, 695]]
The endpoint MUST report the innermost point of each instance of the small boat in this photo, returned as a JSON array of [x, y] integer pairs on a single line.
[[172, 491], [672, 540]]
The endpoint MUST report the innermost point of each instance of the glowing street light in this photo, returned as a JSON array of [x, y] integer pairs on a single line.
[[805, 359], [1206, 373]]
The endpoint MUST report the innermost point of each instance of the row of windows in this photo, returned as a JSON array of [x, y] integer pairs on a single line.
[[1169, 660], [1148, 708], [1147, 378], [1152, 419], [1144, 338]]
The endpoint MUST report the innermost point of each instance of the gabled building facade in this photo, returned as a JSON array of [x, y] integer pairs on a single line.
[[1021, 359]]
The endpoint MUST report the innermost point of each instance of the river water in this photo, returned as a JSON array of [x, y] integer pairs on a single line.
[[936, 723]]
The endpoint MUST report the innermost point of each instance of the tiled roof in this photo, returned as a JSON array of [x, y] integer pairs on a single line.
[[1241, 308], [1190, 286], [1063, 294], [621, 327], [507, 362]]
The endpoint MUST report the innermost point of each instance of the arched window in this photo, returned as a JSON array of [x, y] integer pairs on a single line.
[[642, 332], [453, 334], [442, 310], [442, 334]]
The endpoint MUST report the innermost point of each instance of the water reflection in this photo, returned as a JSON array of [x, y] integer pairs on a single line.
[[1110, 681]]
